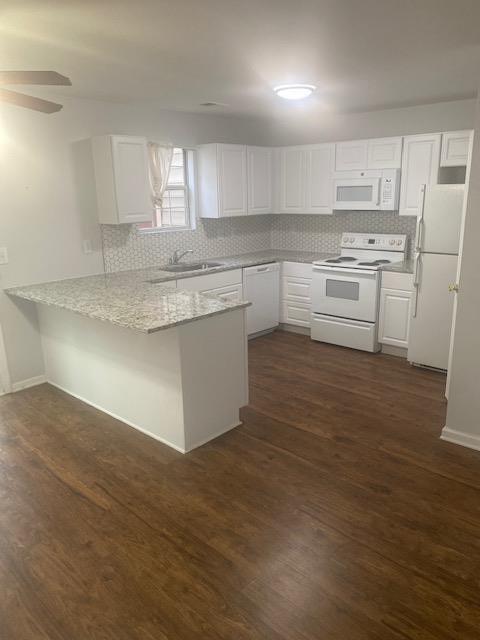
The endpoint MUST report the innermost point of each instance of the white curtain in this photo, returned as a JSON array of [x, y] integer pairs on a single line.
[[160, 159]]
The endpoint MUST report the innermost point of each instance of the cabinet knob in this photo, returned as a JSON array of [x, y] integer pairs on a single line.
[[453, 287]]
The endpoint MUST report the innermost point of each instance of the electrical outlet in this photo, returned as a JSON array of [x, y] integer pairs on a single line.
[[3, 255], [87, 246]]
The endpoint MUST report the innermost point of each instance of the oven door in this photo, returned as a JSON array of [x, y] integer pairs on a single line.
[[357, 194], [345, 293]]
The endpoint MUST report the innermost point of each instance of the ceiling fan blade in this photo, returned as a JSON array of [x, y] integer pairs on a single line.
[[33, 77], [29, 102]]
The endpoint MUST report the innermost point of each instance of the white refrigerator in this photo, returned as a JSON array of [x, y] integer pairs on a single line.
[[436, 256]]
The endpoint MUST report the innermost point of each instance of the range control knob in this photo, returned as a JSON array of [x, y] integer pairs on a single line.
[[399, 242], [392, 242]]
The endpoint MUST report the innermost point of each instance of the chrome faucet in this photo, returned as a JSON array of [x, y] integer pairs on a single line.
[[175, 259]]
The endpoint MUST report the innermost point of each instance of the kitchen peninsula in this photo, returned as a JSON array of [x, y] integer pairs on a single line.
[[172, 364]]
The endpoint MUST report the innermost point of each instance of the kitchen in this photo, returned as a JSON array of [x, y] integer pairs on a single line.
[[229, 327]]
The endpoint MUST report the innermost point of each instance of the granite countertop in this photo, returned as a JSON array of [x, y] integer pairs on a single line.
[[400, 267], [136, 299]]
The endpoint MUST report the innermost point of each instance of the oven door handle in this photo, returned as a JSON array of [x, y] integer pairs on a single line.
[[352, 272]]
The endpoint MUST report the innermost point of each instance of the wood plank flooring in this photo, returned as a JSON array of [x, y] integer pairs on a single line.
[[333, 513]]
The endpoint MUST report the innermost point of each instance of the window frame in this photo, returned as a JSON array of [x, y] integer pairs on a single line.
[[190, 196]]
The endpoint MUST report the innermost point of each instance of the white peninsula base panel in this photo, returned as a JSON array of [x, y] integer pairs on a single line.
[[182, 386]]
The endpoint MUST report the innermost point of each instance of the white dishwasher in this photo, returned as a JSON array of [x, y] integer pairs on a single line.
[[261, 287]]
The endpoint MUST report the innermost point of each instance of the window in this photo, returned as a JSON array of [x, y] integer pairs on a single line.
[[175, 210]]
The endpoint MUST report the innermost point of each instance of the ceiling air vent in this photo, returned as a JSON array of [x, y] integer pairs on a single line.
[[212, 104]]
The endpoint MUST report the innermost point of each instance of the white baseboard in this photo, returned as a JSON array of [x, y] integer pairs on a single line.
[[461, 438], [29, 382], [292, 328], [391, 350]]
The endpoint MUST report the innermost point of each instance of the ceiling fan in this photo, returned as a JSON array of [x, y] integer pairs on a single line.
[[31, 77]]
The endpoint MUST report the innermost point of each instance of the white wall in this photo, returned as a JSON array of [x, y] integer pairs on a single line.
[[463, 416], [47, 198], [303, 127]]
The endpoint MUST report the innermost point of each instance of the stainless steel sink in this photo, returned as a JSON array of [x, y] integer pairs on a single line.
[[197, 266], [184, 268]]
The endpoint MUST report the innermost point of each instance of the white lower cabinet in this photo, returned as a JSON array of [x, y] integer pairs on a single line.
[[232, 293], [295, 306], [395, 309], [295, 313], [213, 282]]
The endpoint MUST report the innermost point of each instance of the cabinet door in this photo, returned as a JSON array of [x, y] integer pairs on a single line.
[[132, 188], [385, 153], [394, 317], [320, 162], [295, 313], [211, 281], [292, 180], [296, 289], [232, 179], [455, 148], [420, 163], [351, 156], [259, 162], [232, 293]]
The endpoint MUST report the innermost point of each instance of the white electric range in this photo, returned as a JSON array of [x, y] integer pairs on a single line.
[[345, 289]]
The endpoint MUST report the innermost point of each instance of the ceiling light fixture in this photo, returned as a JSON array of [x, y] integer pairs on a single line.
[[294, 91]]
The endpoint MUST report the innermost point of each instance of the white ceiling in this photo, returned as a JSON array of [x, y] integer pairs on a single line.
[[362, 54]]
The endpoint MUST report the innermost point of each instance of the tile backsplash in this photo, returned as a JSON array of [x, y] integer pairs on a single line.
[[323, 233], [124, 247]]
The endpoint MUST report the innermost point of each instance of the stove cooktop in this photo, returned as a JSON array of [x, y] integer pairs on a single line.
[[367, 251], [349, 262]]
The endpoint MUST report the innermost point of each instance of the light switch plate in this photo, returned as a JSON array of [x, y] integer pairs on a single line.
[[3, 255], [87, 246]]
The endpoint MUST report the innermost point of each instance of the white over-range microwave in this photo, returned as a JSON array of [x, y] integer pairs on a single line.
[[367, 190]]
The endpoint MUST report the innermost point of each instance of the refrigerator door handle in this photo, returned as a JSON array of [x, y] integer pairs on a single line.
[[416, 283], [419, 229], [419, 235], [416, 270]]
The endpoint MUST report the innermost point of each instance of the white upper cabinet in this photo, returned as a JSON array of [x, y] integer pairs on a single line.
[[232, 179], [455, 148], [420, 164], [259, 163], [351, 156], [320, 164], [305, 179], [360, 155], [122, 181], [292, 180], [385, 153]]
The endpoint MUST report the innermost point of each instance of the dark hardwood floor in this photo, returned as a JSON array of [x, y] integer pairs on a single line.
[[333, 513]]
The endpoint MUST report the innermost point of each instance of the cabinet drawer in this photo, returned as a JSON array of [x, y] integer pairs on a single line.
[[232, 293], [394, 280], [297, 269], [296, 289], [211, 281], [295, 313]]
